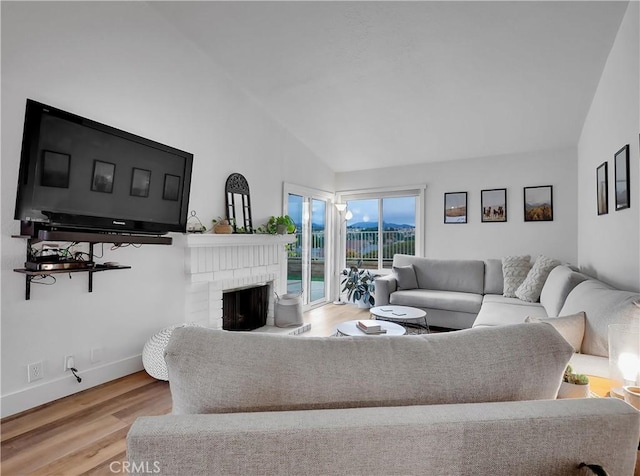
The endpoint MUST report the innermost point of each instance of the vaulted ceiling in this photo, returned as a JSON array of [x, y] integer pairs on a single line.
[[372, 84]]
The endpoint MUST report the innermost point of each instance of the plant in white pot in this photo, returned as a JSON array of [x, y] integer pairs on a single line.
[[359, 285], [573, 385]]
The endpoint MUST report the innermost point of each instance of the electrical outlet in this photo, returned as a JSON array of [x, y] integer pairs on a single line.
[[96, 355], [34, 371], [69, 362]]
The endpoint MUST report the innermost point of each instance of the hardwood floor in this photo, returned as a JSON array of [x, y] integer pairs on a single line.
[[85, 433]]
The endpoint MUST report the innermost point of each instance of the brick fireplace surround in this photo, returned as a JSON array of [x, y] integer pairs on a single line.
[[218, 263]]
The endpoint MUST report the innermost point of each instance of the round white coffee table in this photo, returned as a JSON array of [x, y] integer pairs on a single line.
[[350, 328], [403, 315]]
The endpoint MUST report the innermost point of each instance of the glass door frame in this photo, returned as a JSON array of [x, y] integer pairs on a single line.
[[309, 194]]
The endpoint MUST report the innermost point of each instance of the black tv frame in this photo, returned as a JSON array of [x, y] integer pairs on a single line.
[[54, 220]]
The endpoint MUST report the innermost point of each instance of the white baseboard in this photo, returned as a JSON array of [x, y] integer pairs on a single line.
[[46, 392]]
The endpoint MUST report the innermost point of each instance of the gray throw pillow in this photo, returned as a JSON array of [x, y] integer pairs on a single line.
[[514, 271], [531, 287], [406, 277], [569, 327]]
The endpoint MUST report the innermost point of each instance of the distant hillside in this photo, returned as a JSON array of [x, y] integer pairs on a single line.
[[373, 225]]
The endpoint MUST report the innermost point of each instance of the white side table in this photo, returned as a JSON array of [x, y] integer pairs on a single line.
[[404, 315]]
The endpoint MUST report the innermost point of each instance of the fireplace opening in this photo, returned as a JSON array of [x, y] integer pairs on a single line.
[[245, 309]]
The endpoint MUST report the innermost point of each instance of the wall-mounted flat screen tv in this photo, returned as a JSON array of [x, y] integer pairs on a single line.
[[78, 174]]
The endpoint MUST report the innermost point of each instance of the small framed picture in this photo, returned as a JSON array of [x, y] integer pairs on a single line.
[[602, 189], [103, 175], [455, 207], [538, 203], [623, 194], [140, 180], [171, 187], [55, 169], [494, 205]]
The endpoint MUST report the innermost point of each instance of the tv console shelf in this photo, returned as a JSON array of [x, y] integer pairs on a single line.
[[82, 237]]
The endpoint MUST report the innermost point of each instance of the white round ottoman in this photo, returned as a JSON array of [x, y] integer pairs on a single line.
[[153, 352]]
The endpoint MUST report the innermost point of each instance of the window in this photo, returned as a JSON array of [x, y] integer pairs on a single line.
[[381, 224]]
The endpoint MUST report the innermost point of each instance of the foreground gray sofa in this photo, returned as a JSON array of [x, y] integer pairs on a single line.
[[474, 402], [459, 294]]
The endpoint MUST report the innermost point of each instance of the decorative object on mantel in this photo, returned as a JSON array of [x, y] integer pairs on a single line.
[[623, 195], [281, 225], [573, 385], [359, 285], [221, 226], [538, 203], [194, 225], [237, 195]]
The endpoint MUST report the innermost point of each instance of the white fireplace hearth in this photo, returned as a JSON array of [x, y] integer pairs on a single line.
[[218, 263]]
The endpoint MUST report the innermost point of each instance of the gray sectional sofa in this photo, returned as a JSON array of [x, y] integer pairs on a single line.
[[253, 403], [460, 294]]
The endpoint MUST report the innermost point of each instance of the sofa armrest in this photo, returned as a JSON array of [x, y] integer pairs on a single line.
[[526, 437], [385, 285]]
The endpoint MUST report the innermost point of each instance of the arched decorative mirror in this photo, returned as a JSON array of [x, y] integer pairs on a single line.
[[238, 203]]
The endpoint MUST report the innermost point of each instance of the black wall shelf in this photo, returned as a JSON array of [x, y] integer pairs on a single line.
[[82, 237]]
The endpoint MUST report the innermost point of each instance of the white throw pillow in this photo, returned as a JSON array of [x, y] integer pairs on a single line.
[[514, 271], [569, 327], [531, 287], [406, 277]]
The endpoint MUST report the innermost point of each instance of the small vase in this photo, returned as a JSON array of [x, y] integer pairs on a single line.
[[362, 304], [222, 227], [572, 390], [281, 229]]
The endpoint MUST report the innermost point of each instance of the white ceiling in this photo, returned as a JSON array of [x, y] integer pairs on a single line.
[[372, 84]]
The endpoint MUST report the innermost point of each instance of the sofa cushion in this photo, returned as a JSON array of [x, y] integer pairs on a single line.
[[560, 282], [602, 306], [465, 276], [531, 287], [493, 279], [445, 300], [213, 371], [514, 271], [499, 310], [405, 276], [569, 327]]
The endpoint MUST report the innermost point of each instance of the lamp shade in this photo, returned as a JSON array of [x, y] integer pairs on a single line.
[[624, 356], [341, 207]]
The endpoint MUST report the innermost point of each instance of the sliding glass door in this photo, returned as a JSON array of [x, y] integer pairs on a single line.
[[307, 266]]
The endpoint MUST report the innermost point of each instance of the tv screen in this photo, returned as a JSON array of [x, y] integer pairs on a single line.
[[76, 173]]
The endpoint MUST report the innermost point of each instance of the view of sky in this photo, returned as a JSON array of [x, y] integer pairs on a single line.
[[400, 210]]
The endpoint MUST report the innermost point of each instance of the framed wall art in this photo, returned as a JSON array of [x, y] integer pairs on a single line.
[[494, 205], [538, 203], [140, 181], [103, 175], [623, 194], [55, 169], [171, 187], [602, 189], [455, 207]]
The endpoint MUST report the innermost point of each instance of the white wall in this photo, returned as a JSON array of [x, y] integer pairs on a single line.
[[121, 64], [477, 240], [609, 245]]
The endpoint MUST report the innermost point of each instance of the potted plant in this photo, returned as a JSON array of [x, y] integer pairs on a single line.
[[281, 225], [221, 226], [573, 385], [359, 285]]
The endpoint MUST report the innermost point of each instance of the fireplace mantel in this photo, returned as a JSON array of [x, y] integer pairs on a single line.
[[215, 263], [235, 239]]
